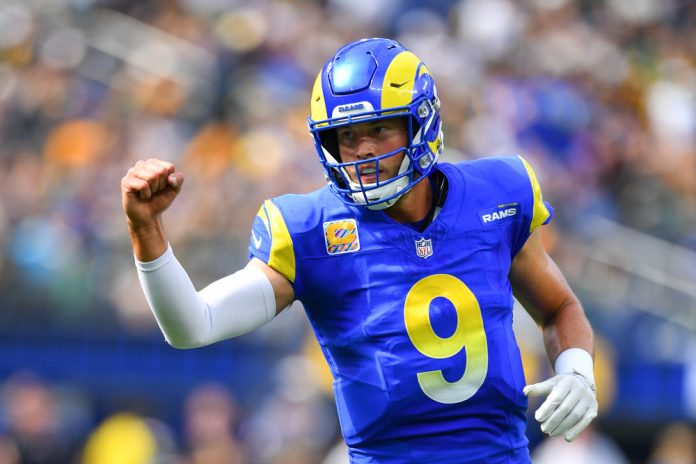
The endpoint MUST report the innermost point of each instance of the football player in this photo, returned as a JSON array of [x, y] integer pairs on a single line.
[[406, 268]]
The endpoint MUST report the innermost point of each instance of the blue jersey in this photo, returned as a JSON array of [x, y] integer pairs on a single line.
[[416, 326]]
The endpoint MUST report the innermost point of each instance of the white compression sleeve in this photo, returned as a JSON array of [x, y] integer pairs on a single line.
[[231, 306]]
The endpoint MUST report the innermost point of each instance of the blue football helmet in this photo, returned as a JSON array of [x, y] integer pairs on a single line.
[[367, 80]]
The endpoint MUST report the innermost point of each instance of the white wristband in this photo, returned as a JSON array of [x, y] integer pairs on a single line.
[[575, 360]]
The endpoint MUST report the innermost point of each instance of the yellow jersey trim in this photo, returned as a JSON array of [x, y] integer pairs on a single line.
[[541, 213], [261, 214], [282, 256]]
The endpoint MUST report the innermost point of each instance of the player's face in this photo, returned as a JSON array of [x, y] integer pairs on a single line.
[[365, 140]]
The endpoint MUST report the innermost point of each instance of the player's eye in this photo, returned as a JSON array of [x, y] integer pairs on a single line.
[[384, 127], [345, 136]]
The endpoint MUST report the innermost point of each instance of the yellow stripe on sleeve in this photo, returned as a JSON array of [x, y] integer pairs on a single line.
[[261, 214], [541, 213], [282, 257]]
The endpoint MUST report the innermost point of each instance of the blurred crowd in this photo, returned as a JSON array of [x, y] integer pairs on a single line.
[[46, 423], [600, 97]]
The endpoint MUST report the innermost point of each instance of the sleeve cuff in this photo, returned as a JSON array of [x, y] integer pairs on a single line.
[[149, 266]]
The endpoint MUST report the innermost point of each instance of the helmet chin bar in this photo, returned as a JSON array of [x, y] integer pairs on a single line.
[[375, 196], [370, 194]]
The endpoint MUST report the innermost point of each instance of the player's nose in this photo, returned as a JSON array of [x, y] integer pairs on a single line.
[[367, 148]]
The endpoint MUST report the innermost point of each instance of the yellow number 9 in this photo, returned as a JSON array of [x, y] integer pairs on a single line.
[[469, 334]]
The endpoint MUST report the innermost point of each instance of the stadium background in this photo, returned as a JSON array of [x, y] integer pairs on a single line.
[[598, 95]]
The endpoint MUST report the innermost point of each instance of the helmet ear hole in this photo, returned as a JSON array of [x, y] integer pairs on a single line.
[[329, 140], [338, 178], [415, 126]]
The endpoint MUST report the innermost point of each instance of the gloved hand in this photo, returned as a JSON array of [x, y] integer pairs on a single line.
[[570, 406]]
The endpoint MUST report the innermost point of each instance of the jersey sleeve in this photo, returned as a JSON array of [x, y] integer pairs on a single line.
[[271, 241], [542, 211], [535, 211]]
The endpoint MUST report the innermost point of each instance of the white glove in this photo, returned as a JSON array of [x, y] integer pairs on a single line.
[[570, 406]]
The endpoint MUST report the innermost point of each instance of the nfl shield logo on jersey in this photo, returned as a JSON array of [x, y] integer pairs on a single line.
[[424, 247]]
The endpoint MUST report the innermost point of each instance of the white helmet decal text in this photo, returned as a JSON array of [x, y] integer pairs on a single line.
[[341, 111]]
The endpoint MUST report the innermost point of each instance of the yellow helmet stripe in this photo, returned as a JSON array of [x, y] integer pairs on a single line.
[[423, 70], [318, 104], [282, 257], [541, 213], [397, 87]]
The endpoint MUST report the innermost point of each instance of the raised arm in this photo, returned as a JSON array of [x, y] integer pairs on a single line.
[[147, 190], [541, 288], [231, 306]]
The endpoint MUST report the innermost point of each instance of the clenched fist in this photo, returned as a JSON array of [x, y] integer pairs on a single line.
[[147, 189]]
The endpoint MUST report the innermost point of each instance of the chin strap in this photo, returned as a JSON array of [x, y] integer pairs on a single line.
[[398, 186], [392, 188]]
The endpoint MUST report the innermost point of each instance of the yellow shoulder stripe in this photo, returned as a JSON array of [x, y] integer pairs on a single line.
[[282, 257], [541, 213], [261, 214]]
